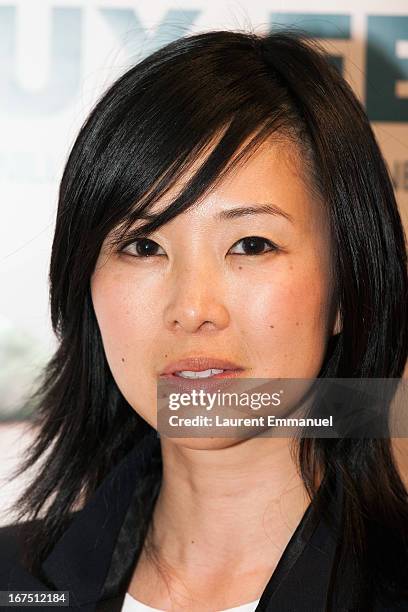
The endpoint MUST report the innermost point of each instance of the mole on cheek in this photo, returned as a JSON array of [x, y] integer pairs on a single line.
[[123, 359], [272, 326]]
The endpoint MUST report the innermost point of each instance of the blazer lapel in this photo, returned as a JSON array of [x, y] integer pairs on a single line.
[[80, 560], [111, 605]]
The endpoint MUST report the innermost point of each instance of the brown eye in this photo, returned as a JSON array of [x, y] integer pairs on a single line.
[[142, 247], [254, 245]]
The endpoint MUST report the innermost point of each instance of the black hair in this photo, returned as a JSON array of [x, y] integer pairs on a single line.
[[143, 134]]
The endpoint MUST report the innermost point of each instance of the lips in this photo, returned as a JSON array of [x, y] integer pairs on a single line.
[[202, 363]]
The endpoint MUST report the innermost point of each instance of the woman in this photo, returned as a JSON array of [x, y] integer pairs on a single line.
[[225, 207]]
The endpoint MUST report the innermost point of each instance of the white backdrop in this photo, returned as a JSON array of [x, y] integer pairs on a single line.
[[57, 57]]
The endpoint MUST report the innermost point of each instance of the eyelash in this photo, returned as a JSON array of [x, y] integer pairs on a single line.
[[272, 247]]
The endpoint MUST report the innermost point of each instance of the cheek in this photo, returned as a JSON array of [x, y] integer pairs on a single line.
[[287, 301], [126, 323], [286, 322], [123, 313]]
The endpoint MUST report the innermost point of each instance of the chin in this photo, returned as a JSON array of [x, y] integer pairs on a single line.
[[206, 443]]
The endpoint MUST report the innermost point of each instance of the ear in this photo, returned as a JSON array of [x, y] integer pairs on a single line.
[[337, 324]]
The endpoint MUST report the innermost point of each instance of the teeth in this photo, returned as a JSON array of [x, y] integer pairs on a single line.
[[201, 374]]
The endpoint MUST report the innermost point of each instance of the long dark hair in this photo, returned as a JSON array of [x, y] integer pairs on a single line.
[[146, 130]]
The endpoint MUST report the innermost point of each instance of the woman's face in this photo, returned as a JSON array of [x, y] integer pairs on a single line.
[[265, 304]]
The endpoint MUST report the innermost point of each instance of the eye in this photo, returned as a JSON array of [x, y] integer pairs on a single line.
[[142, 247], [254, 245]]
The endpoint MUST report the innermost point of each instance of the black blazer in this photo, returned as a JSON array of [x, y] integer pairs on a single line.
[[94, 562]]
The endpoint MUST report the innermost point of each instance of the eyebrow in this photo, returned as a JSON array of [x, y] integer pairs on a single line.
[[241, 211], [260, 209]]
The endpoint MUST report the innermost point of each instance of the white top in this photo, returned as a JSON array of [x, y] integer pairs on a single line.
[[130, 604]]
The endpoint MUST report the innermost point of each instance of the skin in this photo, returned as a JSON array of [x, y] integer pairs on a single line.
[[271, 313]]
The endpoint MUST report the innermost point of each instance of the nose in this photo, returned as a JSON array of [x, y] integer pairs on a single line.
[[195, 301]]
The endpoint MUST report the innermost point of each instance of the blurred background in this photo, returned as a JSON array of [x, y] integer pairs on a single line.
[[56, 59]]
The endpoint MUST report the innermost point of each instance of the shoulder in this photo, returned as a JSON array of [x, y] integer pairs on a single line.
[[12, 537], [14, 530]]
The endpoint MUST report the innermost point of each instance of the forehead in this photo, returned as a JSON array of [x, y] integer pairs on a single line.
[[275, 173]]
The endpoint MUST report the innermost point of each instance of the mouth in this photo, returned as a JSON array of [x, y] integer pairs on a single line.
[[190, 377], [203, 372], [188, 381], [201, 367]]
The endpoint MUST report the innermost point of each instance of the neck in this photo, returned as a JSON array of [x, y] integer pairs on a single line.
[[234, 508]]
